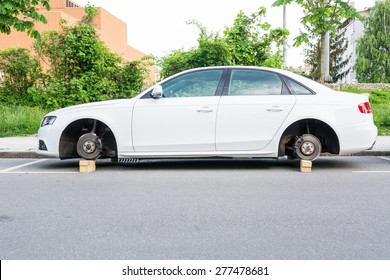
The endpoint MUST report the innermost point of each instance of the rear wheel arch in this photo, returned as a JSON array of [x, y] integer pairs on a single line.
[[76, 129], [321, 130]]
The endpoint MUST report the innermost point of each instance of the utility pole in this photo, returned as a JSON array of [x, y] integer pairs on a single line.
[[285, 43], [327, 57]]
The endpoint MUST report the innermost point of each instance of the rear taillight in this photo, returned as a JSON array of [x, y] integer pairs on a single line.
[[365, 108]]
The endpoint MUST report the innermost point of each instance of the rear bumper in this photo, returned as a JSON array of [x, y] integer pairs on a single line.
[[357, 139]]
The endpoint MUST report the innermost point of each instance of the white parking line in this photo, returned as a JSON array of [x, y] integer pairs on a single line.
[[41, 172], [7, 170], [385, 158], [373, 171]]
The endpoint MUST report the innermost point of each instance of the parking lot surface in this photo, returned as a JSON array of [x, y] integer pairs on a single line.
[[195, 209]]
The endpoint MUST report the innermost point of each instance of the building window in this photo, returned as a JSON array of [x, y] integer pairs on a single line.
[[70, 4]]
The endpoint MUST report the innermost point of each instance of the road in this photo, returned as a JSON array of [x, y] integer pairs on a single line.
[[196, 209]]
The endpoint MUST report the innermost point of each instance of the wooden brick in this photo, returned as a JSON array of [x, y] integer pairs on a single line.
[[306, 166], [87, 166]]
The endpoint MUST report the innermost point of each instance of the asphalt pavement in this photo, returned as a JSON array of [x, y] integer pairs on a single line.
[[190, 209], [25, 146]]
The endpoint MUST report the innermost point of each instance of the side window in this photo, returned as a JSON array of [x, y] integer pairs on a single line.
[[297, 88], [254, 82], [200, 83]]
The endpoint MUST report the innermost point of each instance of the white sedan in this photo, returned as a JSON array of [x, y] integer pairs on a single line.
[[215, 112]]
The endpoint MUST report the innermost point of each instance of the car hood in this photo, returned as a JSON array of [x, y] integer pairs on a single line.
[[93, 105]]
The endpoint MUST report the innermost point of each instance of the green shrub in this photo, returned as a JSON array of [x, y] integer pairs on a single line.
[[82, 68], [21, 71]]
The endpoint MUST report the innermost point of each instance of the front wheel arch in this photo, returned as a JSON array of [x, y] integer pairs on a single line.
[[72, 133]]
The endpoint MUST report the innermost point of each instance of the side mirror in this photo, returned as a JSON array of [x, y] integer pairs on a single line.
[[157, 92]]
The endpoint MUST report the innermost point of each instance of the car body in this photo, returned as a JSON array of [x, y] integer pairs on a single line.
[[222, 111]]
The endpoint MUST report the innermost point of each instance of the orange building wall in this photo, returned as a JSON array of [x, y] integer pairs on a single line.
[[111, 30], [21, 39]]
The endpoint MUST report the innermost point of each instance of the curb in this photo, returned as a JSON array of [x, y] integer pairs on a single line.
[[20, 155], [373, 154]]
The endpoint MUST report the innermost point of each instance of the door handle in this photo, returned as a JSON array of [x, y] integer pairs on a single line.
[[274, 109], [204, 110]]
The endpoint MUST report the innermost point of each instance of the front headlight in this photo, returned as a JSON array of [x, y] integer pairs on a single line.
[[48, 120]]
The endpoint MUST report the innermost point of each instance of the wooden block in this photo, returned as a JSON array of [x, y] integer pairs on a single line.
[[306, 166], [87, 166]]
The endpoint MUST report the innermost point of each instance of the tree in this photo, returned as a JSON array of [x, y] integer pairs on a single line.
[[21, 15], [338, 61], [82, 69], [313, 57], [130, 77], [320, 17], [212, 50], [20, 72], [373, 49], [248, 41]]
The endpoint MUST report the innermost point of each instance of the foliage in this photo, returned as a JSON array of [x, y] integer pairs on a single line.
[[175, 62], [337, 60], [247, 42], [212, 50], [10, 11], [320, 17], [250, 40], [82, 68], [380, 102], [20, 120], [130, 77], [20, 71], [313, 58], [299, 70], [373, 50]]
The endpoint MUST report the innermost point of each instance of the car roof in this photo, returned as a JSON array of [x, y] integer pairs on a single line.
[[313, 85]]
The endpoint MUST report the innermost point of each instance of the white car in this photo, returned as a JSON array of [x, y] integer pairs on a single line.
[[215, 112]]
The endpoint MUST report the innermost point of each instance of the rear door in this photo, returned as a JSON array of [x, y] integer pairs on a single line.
[[252, 109]]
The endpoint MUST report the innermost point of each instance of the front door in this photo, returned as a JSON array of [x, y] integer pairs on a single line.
[[184, 119]]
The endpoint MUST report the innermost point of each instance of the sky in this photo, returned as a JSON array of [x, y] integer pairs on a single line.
[[158, 27]]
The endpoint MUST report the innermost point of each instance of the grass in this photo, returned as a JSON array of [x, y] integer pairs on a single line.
[[380, 103], [19, 120]]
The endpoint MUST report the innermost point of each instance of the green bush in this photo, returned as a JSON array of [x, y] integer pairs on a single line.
[[249, 41], [20, 71], [82, 68]]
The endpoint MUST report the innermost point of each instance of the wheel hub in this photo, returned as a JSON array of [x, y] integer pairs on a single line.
[[89, 146], [307, 148]]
